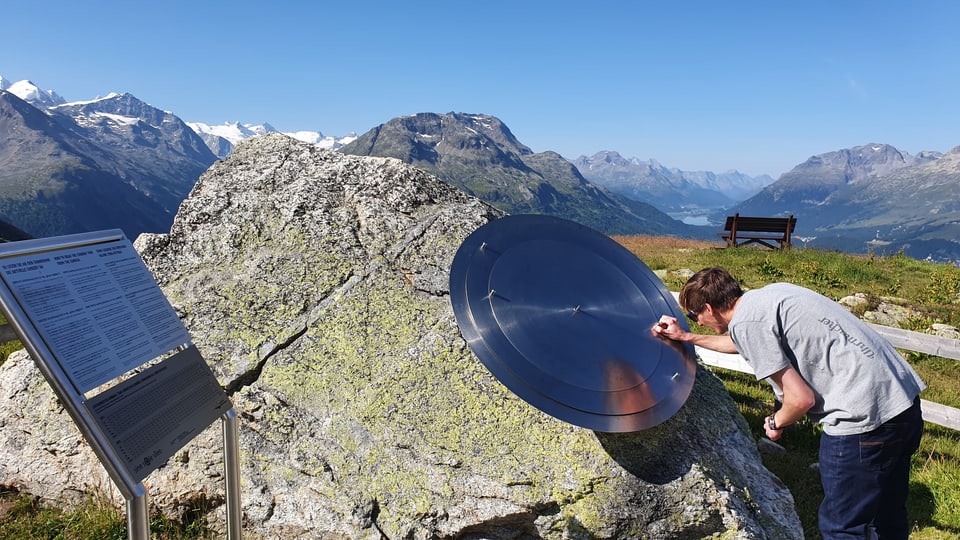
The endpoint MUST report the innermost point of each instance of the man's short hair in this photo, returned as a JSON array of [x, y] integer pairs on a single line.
[[714, 286]]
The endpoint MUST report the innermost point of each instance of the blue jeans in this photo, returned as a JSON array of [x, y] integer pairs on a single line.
[[866, 479]]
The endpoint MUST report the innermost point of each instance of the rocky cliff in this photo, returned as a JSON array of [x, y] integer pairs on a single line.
[[315, 285]]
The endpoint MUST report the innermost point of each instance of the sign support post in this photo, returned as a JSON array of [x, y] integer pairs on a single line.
[[138, 518], [231, 464]]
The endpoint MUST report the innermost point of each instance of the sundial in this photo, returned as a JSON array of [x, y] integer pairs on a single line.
[[561, 315]]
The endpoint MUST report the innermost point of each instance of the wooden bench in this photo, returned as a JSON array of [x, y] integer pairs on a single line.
[[740, 230]]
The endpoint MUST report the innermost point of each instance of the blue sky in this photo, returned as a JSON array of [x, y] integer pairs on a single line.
[[754, 86]]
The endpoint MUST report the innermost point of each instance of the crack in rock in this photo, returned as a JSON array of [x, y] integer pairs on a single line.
[[300, 327]]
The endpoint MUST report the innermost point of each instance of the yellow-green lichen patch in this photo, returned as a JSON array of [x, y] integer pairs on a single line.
[[262, 295], [379, 358]]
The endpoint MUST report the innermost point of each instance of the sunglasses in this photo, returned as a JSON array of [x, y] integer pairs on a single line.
[[692, 315]]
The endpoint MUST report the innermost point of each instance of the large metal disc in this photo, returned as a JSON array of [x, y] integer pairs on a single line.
[[561, 315]]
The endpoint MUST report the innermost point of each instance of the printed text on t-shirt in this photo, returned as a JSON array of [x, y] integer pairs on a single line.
[[835, 326]]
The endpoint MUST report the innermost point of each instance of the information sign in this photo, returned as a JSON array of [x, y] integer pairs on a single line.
[[97, 307], [89, 312], [153, 414]]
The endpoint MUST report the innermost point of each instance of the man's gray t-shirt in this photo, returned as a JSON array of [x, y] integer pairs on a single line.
[[859, 379]]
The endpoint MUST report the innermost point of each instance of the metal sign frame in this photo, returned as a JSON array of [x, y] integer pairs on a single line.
[[76, 390]]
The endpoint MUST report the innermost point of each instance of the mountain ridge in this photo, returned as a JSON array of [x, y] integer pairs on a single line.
[[221, 139], [669, 189], [114, 162], [480, 155], [871, 197], [857, 199]]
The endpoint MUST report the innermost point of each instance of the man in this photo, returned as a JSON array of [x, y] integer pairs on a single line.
[[823, 362]]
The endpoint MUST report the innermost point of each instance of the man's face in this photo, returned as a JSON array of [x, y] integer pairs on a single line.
[[709, 318]]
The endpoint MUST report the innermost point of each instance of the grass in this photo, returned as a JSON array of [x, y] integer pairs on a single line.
[[930, 289], [23, 516], [9, 347]]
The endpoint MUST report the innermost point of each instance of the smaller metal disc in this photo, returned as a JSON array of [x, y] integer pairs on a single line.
[[561, 315]]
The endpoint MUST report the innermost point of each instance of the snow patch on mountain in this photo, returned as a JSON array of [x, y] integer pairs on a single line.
[[116, 118], [219, 138], [234, 132], [31, 93], [231, 131]]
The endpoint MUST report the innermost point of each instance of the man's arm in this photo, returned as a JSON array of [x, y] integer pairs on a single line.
[[798, 398], [669, 328]]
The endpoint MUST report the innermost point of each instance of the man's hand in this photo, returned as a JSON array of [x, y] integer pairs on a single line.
[[667, 327], [772, 431]]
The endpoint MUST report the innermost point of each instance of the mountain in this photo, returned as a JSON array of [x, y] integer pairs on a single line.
[[811, 184], [221, 139], [478, 154], [31, 93], [871, 197], [670, 190], [116, 162], [732, 184], [113, 162]]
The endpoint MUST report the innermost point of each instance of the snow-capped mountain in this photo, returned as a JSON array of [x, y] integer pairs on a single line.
[[31, 93], [222, 138], [111, 162], [234, 132], [219, 138]]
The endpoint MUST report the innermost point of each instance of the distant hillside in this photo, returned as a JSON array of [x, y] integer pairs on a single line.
[[117, 162], [670, 190], [479, 154], [871, 197]]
